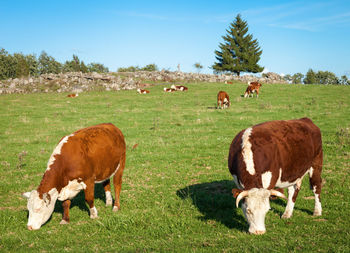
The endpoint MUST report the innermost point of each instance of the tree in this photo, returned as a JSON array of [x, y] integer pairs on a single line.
[[327, 77], [150, 67], [344, 80], [75, 65], [310, 77], [297, 78], [239, 52], [47, 64], [97, 67], [7, 65], [198, 66]]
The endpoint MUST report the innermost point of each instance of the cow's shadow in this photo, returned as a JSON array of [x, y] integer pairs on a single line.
[[79, 200], [215, 202]]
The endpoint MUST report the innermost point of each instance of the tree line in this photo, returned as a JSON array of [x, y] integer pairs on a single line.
[[19, 65], [319, 77]]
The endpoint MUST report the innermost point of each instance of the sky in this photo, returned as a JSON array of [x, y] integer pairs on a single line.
[[294, 35]]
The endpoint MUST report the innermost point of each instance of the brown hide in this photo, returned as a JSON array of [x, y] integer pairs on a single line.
[[221, 97], [91, 154], [253, 87], [292, 145]]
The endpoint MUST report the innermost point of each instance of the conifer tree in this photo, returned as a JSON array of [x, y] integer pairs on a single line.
[[239, 52]]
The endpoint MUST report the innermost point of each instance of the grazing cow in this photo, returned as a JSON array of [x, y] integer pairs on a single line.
[[275, 154], [223, 100], [169, 90], [73, 95], [141, 91], [88, 156], [179, 87], [252, 87]]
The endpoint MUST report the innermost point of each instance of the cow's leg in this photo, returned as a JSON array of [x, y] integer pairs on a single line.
[[316, 184], [89, 198], [65, 215], [107, 187], [257, 93], [117, 181], [292, 196]]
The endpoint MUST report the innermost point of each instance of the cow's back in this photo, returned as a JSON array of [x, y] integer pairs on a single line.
[[288, 145], [95, 151]]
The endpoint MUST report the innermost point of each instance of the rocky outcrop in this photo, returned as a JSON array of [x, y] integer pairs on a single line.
[[79, 82]]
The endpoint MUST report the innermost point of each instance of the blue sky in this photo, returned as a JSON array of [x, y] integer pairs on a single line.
[[294, 35]]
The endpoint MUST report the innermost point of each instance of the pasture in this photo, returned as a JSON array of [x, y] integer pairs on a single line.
[[176, 192]]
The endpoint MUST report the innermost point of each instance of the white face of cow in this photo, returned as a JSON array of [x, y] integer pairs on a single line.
[[39, 209], [255, 207]]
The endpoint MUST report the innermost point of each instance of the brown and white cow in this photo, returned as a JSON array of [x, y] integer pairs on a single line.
[[275, 154], [252, 87], [179, 87], [73, 95], [223, 100], [169, 90], [81, 159], [141, 91]]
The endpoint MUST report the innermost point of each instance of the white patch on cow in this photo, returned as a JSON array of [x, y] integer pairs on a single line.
[[266, 179], [173, 86], [182, 88], [57, 151], [311, 172], [93, 213], [39, 209], [109, 199], [247, 151], [97, 182], [290, 204], [286, 184], [318, 206], [71, 190]]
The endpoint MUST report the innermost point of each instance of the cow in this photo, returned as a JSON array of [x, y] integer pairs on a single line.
[[169, 90], [73, 95], [179, 87], [81, 159], [141, 91], [275, 154], [252, 87], [223, 100]]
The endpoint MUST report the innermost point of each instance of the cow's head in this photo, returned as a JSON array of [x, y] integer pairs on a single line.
[[40, 209], [255, 206]]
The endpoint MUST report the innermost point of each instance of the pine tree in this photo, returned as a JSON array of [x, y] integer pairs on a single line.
[[240, 52]]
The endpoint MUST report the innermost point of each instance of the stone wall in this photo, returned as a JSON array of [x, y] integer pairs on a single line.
[[77, 82]]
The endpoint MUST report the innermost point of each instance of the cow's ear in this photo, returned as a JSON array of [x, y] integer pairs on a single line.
[[26, 195], [236, 192]]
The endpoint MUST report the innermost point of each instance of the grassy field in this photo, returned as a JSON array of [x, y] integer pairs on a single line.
[[176, 193]]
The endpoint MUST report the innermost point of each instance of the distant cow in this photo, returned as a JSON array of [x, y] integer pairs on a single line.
[[81, 159], [141, 91], [169, 90], [223, 100], [252, 87], [275, 154], [179, 87], [73, 95]]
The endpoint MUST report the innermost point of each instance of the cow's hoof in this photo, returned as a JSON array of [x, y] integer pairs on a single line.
[[115, 209], [286, 216], [317, 213], [64, 222], [109, 203]]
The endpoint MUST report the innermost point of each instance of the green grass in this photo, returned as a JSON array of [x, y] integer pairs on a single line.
[[176, 185]]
